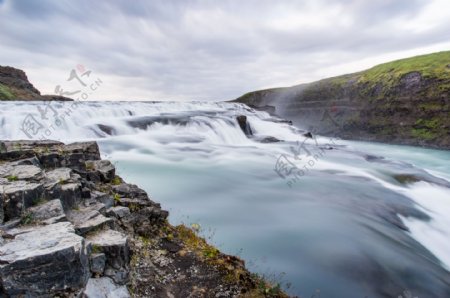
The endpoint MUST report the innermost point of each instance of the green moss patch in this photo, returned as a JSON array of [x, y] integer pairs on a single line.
[[423, 133], [5, 93]]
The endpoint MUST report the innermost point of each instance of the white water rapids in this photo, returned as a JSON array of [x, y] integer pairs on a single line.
[[349, 227]]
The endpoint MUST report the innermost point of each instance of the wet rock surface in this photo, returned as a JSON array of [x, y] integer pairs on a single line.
[[244, 125], [70, 227]]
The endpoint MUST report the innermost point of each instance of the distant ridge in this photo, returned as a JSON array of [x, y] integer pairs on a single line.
[[14, 85], [401, 102]]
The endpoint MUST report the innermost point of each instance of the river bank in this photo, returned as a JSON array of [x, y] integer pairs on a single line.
[[71, 226]]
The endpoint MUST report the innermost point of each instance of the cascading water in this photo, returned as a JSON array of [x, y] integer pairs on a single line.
[[364, 220]]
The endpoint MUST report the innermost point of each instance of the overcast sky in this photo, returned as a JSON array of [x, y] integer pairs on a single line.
[[212, 50]]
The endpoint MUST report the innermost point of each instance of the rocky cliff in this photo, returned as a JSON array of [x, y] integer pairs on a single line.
[[14, 85], [70, 227], [403, 102]]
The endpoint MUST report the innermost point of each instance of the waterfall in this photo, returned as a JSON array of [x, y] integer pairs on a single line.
[[347, 220]]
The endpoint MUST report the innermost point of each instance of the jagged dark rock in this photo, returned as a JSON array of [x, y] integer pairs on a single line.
[[244, 125], [308, 135], [105, 169], [17, 196], [70, 227], [98, 262], [115, 246], [118, 212], [268, 140]]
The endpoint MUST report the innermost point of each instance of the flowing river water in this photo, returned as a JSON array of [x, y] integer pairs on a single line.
[[361, 220]]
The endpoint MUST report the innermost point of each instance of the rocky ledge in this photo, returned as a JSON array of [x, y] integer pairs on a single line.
[[70, 227]]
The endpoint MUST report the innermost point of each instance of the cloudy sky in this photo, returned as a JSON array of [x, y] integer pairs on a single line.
[[212, 50]]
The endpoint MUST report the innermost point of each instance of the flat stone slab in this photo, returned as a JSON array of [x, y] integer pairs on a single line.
[[105, 288], [102, 198], [108, 238], [118, 211], [20, 172], [59, 174], [49, 212], [45, 260], [89, 220], [93, 224], [92, 204]]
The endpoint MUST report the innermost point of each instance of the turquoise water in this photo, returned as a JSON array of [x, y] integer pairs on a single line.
[[316, 233], [346, 228]]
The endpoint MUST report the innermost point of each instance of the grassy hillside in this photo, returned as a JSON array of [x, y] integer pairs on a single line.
[[430, 66], [404, 101]]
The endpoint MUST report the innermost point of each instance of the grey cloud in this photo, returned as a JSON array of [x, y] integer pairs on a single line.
[[204, 49]]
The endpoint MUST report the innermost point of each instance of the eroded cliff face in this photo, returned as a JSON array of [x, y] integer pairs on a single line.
[[70, 227], [402, 102], [14, 85]]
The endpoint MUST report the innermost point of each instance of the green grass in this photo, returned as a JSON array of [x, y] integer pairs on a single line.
[[95, 249], [90, 166], [388, 75], [385, 76], [430, 123], [383, 97], [429, 129], [116, 198], [380, 78], [116, 181], [430, 66], [26, 219], [12, 178], [5, 93]]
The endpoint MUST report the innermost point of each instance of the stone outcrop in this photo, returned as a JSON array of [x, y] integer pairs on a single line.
[[14, 85], [401, 102], [70, 227], [244, 125], [45, 260]]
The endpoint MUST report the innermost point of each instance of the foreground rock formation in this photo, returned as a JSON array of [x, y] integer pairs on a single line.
[[70, 227], [14, 85], [402, 102]]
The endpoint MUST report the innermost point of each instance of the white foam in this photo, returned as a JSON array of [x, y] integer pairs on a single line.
[[213, 133], [434, 235]]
